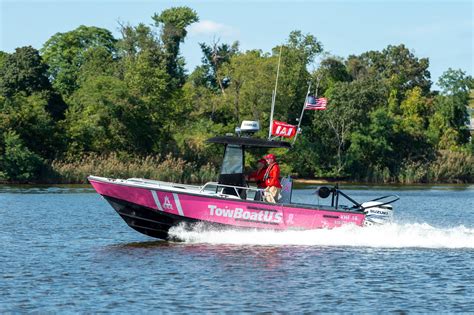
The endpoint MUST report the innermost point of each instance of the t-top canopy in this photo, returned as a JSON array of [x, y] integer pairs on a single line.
[[249, 142]]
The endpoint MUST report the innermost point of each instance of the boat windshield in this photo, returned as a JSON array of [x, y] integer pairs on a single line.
[[232, 171], [233, 160]]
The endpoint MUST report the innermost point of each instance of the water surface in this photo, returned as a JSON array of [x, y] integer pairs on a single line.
[[65, 249]]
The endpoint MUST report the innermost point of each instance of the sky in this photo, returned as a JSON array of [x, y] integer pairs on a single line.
[[439, 30]]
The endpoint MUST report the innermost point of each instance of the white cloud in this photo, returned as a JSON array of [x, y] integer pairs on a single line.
[[207, 27]]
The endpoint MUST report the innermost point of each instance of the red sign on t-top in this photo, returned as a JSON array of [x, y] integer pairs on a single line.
[[282, 129]]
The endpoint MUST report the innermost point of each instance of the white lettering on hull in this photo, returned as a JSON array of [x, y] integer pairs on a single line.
[[167, 203], [241, 214]]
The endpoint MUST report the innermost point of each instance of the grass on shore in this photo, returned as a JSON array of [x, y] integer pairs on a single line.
[[166, 169], [449, 167]]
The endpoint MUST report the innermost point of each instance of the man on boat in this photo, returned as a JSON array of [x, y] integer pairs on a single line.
[[257, 177], [272, 179]]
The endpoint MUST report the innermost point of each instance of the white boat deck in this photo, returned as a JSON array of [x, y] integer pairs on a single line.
[[208, 189]]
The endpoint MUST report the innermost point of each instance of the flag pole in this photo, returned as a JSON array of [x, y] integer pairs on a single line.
[[274, 96], [304, 105], [302, 112], [318, 78]]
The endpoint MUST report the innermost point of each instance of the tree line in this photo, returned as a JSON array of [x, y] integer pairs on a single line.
[[87, 97]]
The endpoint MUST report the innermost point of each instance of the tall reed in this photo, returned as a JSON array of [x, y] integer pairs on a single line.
[[153, 167], [452, 167]]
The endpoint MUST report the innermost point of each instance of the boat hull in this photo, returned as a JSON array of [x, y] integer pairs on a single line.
[[147, 220], [153, 210]]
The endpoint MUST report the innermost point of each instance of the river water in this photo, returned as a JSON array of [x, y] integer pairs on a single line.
[[65, 249]]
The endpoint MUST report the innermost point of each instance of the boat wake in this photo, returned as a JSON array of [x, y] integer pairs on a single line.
[[387, 236]]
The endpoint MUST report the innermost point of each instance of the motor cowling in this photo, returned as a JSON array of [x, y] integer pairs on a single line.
[[377, 213]]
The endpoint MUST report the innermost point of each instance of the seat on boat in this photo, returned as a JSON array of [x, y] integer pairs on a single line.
[[233, 180], [286, 190]]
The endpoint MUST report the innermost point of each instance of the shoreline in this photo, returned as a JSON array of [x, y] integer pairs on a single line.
[[296, 181]]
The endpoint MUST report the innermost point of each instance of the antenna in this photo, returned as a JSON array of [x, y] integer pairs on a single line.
[[274, 96]]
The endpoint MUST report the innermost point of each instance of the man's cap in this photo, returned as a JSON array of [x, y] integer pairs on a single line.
[[270, 156]]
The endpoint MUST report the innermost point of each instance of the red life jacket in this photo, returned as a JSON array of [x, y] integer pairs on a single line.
[[272, 176], [258, 177]]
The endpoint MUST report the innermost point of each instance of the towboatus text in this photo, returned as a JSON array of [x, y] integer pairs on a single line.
[[239, 213]]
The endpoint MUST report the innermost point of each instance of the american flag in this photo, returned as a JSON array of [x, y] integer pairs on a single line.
[[313, 103]]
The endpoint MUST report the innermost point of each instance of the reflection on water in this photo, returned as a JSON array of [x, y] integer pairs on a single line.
[[147, 244], [224, 255]]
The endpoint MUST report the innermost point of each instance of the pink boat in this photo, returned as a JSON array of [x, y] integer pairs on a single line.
[[153, 207]]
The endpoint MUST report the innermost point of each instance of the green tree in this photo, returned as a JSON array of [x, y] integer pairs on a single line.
[[454, 101], [29, 118], [251, 82], [136, 39], [3, 56], [372, 148], [97, 62], [154, 71], [297, 55], [173, 23], [23, 71], [306, 157], [331, 70], [104, 118], [348, 108], [415, 110], [395, 66], [413, 144], [191, 141], [17, 162], [143, 64], [214, 57], [199, 100], [65, 53]]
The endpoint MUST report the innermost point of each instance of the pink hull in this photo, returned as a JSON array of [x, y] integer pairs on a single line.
[[227, 211]]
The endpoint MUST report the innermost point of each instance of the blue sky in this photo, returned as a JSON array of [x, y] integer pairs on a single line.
[[439, 30]]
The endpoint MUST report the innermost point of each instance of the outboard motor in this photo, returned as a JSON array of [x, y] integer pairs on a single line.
[[377, 213]]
